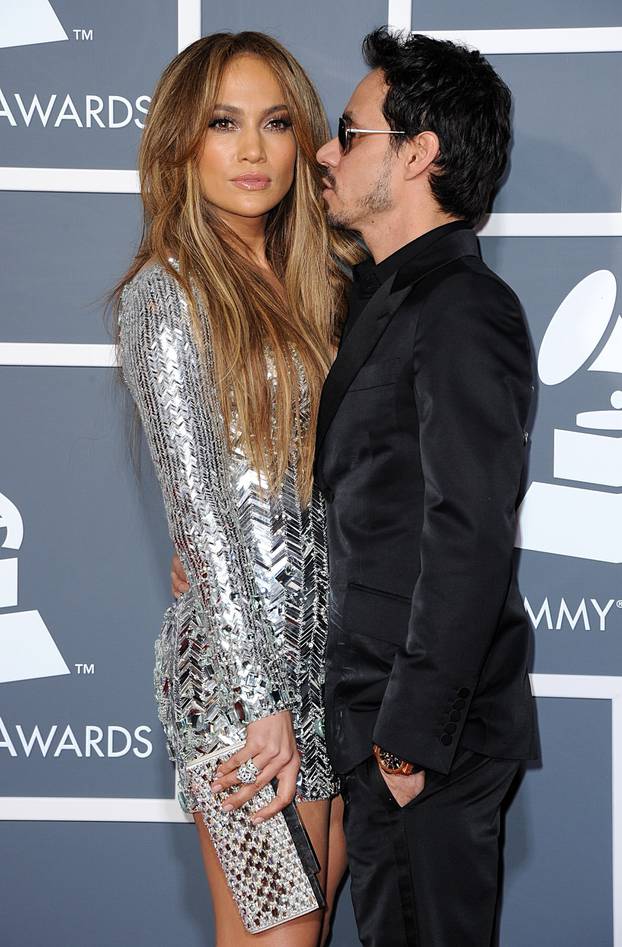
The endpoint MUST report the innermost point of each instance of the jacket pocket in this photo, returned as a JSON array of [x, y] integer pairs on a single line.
[[376, 613], [377, 374]]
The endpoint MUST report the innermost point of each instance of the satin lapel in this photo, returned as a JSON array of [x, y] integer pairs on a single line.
[[355, 350]]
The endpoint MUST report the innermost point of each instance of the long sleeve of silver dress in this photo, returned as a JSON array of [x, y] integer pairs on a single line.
[[248, 639]]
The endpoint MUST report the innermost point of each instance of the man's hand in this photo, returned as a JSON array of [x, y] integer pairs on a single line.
[[179, 579], [271, 744], [404, 788]]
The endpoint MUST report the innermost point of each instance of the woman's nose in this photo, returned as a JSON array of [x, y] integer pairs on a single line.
[[251, 147]]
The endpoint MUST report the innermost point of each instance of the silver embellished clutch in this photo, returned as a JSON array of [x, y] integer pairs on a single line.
[[270, 868]]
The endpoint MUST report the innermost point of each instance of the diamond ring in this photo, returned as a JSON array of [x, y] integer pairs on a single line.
[[247, 773]]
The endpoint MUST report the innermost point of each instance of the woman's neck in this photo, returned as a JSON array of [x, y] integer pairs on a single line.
[[252, 232]]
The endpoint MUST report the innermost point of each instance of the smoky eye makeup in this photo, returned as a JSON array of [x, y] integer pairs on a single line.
[[221, 122], [280, 122]]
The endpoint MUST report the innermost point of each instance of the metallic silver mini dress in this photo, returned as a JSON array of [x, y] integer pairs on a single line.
[[248, 639]]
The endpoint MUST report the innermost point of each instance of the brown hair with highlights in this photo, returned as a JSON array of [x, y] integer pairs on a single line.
[[246, 315]]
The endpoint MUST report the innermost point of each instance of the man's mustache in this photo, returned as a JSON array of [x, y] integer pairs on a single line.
[[327, 177]]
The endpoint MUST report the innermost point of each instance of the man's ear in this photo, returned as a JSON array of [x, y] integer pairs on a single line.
[[420, 152]]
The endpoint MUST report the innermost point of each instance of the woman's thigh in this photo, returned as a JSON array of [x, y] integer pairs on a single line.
[[300, 932]]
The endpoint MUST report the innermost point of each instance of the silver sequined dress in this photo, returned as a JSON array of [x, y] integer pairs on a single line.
[[251, 632]]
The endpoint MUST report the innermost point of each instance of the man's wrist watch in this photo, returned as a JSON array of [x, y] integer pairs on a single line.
[[392, 764]]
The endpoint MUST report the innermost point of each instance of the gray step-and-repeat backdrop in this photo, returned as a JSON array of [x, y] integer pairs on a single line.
[[94, 849]]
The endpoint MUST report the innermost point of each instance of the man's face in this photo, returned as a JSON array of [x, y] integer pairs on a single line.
[[360, 183]]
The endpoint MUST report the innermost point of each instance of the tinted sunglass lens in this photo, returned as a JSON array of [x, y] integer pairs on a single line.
[[342, 136]]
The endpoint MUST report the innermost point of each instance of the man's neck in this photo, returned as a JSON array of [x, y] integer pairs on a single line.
[[388, 233]]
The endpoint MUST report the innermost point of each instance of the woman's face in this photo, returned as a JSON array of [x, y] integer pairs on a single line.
[[248, 158]]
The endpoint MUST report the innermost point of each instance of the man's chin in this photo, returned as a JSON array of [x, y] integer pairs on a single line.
[[338, 221]]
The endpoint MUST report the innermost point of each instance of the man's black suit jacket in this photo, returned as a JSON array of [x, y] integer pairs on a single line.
[[420, 447]]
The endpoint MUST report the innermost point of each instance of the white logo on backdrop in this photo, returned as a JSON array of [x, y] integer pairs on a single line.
[[87, 111], [590, 614], [26, 22], [583, 521], [27, 649], [89, 741], [29, 22]]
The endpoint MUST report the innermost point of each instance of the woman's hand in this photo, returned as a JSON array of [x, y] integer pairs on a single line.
[[179, 579], [271, 744]]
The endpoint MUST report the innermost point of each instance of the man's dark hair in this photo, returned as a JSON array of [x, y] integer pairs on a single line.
[[438, 86]]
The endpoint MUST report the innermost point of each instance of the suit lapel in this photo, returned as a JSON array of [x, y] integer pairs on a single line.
[[355, 350], [376, 316]]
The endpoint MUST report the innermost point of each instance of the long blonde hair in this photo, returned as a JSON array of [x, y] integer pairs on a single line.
[[246, 315]]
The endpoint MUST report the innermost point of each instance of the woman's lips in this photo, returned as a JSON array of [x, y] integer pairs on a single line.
[[252, 182]]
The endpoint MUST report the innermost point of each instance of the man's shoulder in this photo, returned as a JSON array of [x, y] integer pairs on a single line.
[[469, 281], [469, 303]]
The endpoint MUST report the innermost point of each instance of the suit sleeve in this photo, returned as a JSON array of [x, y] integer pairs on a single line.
[[472, 386], [181, 418]]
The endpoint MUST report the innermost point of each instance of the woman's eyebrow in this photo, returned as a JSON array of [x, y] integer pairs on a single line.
[[276, 108], [221, 106]]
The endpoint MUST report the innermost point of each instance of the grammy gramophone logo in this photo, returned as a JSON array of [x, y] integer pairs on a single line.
[[29, 22], [27, 649], [583, 520]]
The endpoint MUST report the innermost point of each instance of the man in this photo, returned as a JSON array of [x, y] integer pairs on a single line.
[[420, 445]]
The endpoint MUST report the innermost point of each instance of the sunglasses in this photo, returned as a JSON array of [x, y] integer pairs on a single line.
[[345, 134]]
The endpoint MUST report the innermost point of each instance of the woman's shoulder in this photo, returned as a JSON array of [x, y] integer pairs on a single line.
[[154, 283], [155, 296]]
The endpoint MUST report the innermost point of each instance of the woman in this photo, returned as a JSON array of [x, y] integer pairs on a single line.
[[227, 319]]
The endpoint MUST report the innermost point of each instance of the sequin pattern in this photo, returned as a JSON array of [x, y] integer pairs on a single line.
[[251, 631]]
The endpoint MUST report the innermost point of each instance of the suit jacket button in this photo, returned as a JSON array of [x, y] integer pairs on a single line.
[[450, 728], [446, 739], [455, 716], [458, 704], [464, 692]]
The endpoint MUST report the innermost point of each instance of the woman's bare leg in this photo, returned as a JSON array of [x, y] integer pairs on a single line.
[[337, 862], [300, 932]]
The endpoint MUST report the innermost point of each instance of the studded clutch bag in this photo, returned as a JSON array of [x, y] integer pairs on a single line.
[[271, 867]]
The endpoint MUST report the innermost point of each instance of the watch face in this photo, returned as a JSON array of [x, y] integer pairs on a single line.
[[390, 761]]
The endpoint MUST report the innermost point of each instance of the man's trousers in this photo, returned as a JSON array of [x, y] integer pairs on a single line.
[[426, 874]]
